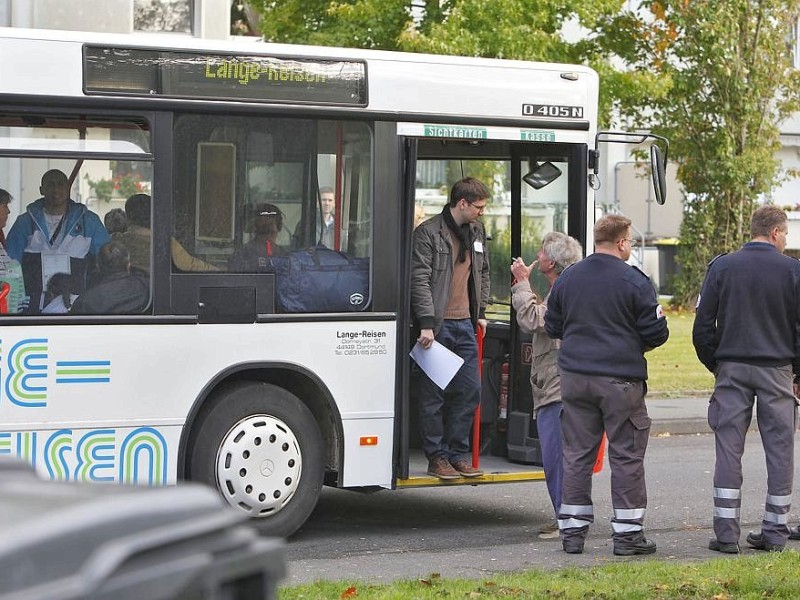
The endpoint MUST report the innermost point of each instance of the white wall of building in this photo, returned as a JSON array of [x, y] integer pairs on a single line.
[[211, 17], [787, 193]]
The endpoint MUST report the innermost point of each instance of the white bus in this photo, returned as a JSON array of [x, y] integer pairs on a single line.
[[221, 379]]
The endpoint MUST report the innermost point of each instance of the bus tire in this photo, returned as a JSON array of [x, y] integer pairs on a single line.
[[261, 448]]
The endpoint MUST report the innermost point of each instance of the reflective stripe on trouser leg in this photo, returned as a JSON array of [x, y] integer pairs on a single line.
[[575, 516], [777, 418], [775, 526], [727, 503], [627, 520]]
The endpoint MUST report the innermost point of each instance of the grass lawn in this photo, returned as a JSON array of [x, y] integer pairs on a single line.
[[673, 368], [751, 577]]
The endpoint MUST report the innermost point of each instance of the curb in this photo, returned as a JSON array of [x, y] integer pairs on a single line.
[[694, 426], [662, 427]]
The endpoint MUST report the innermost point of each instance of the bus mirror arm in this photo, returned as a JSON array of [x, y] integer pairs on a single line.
[[658, 158], [594, 165]]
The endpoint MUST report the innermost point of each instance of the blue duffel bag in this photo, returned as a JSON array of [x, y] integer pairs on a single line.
[[321, 280]]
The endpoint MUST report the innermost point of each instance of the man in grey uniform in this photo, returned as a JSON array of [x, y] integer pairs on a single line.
[[607, 315], [747, 332]]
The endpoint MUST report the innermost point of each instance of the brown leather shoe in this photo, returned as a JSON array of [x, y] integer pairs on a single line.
[[466, 469], [440, 467]]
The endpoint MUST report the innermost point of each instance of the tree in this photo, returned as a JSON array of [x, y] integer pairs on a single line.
[[715, 77], [376, 24], [514, 29]]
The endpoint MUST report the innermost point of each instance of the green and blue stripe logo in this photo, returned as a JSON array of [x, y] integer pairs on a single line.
[[27, 373], [83, 371]]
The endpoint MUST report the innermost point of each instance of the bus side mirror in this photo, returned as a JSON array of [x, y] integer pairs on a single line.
[[658, 172], [658, 158], [541, 174]]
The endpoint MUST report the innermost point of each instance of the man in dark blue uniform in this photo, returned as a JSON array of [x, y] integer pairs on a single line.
[[607, 315], [747, 332]]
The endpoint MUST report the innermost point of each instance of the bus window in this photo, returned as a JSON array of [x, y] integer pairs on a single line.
[[249, 190], [434, 180], [544, 209], [56, 246]]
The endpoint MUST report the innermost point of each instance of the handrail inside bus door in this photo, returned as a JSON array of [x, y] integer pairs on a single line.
[[5, 289], [77, 168], [476, 426], [337, 196]]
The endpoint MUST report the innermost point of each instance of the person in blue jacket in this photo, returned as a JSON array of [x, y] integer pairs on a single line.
[[55, 235]]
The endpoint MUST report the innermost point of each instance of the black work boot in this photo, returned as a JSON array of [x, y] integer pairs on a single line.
[[635, 546], [573, 538], [572, 546], [757, 541], [726, 547]]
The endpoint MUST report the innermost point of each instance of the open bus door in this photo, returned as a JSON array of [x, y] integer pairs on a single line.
[[516, 219]]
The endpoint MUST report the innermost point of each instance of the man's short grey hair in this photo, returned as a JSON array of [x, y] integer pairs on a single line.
[[562, 249]]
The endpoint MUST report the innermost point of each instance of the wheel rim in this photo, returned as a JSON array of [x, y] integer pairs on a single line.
[[259, 465]]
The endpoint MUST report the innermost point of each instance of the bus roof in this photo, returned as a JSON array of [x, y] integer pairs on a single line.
[[51, 63]]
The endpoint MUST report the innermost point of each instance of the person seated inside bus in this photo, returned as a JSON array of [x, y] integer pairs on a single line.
[[137, 239], [118, 292], [59, 295], [10, 269], [55, 235], [265, 222], [324, 222], [115, 221]]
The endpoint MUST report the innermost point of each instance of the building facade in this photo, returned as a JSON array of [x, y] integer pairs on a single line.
[[199, 18]]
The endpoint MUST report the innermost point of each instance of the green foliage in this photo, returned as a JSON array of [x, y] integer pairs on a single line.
[[348, 23], [514, 29], [715, 77]]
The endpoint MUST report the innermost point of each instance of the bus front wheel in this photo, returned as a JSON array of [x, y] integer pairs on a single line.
[[261, 448]]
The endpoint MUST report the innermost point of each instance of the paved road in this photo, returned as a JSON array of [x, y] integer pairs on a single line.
[[481, 530]]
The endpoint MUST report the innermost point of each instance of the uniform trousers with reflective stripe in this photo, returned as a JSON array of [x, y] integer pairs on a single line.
[[590, 405], [730, 411]]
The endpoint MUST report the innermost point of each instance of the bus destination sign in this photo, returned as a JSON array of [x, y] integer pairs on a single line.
[[224, 76]]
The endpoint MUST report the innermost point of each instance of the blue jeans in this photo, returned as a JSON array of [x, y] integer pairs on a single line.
[[548, 424], [446, 415]]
